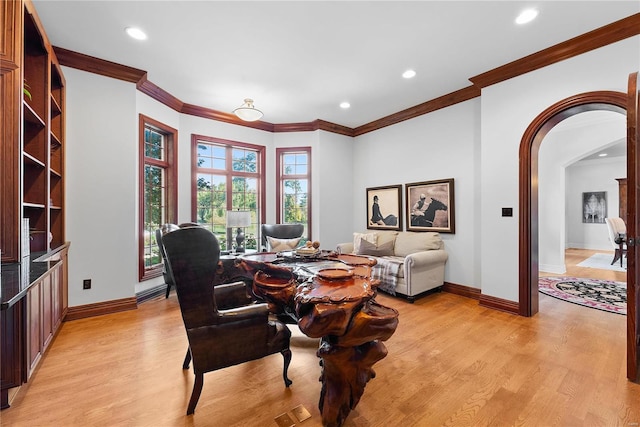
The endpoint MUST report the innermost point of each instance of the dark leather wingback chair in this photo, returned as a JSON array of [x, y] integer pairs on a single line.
[[280, 231], [165, 228], [220, 333]]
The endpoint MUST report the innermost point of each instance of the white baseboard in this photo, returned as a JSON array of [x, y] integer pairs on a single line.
[[552, 268]]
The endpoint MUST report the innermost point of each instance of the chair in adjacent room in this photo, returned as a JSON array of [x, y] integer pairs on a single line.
[[617, 234], [165, 228], [224, 325], [280, 232]]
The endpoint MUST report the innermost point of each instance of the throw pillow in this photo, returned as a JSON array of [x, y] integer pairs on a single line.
[[359, 237], [410, 242], [368, 248], [279, 245]]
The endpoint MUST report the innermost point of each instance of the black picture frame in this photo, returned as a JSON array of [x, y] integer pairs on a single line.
[[430, 206], [384, 208], [594, 207]]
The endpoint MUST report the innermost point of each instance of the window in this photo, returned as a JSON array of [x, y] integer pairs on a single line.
[[228, 175], [158, 191], [294, 187]]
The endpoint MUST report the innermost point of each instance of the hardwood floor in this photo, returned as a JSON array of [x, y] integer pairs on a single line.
[[450, 363], [576, 256]]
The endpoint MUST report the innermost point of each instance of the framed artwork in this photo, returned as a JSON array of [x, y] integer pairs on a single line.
[[430, 206], [384, 206], [594, 207]]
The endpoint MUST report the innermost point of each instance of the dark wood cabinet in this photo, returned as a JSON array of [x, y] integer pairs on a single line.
[[622, 193], [32, 169], [34, 304], [33, 134]]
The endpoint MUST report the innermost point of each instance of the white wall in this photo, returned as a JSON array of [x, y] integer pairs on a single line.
[[592, 175], [564, 145], [101, 186], [507, 110], [333, 183], [440, 145]]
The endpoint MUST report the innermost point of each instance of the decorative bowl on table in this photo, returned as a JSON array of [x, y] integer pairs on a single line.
[[307, 251], [335, 273]]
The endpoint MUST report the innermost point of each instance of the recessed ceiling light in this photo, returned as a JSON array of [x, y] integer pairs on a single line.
[[527, 15], [345, 105], [602, 155], [409, 74], [136, 33]]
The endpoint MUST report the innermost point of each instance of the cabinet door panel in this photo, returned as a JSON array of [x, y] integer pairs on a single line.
[[34, 339], [47, 312]]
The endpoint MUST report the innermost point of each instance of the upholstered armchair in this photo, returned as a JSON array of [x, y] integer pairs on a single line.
[[617, 230], [224, 325], [280, 232]]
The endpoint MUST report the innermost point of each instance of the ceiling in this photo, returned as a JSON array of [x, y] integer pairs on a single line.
[[299, 60]]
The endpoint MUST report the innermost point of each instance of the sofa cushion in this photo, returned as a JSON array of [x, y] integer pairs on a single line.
[[359, 237], [278, 245], [412, 242], [385, 236], [382, 249]]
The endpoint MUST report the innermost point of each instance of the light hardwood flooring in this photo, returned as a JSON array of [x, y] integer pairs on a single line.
[[450, 363], [576, 256]]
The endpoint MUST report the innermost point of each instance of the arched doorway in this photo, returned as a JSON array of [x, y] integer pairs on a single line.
[[529, 147]]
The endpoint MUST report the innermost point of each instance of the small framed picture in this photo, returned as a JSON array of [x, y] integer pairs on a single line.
[[430, 206], [594, 207], [384, 206]]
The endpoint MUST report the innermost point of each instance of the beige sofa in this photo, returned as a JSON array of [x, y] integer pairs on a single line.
[[409, 263]]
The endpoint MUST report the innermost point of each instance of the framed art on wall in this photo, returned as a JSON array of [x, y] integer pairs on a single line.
[[594, 207], [384, 206], [430, 206]]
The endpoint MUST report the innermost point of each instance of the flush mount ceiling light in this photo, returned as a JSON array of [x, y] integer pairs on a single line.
[[527, 15], [345, 105], [136, 33], [247, 111], [409, 74]]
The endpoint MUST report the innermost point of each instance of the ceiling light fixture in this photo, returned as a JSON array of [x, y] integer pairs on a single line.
[[345, 105], [136, 33], [409, 74], [602, 155], [526, 15], [247, 111]]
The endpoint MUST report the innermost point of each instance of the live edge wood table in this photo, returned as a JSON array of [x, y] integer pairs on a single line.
[[332, 297]]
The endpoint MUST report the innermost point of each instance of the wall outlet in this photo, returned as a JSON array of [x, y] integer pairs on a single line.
[[86, 284]]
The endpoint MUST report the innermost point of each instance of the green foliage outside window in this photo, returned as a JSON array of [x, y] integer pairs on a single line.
[[211, 190]]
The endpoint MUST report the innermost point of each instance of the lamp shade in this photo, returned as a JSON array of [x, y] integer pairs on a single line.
[[238, 219], [247, 111]]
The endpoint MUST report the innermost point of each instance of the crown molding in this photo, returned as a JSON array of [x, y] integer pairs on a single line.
[[220, 116], [99, 66], [447, 100], [159, 94], [603, 36]]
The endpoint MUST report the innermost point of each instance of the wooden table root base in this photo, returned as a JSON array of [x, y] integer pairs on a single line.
[[345, 372]]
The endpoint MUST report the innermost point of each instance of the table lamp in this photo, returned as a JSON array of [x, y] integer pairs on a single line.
[[239, 219]]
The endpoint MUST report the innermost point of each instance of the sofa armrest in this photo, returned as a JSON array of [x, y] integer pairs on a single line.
[[345, 248], [425, 259]]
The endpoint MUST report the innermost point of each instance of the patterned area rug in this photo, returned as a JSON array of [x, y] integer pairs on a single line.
[[600, 294]]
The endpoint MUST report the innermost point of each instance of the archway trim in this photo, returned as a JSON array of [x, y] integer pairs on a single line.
[[528, 202]]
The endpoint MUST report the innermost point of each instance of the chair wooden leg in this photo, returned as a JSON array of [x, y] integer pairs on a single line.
[[287, 360], [616, 257], [195, 394], [187, 359]]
